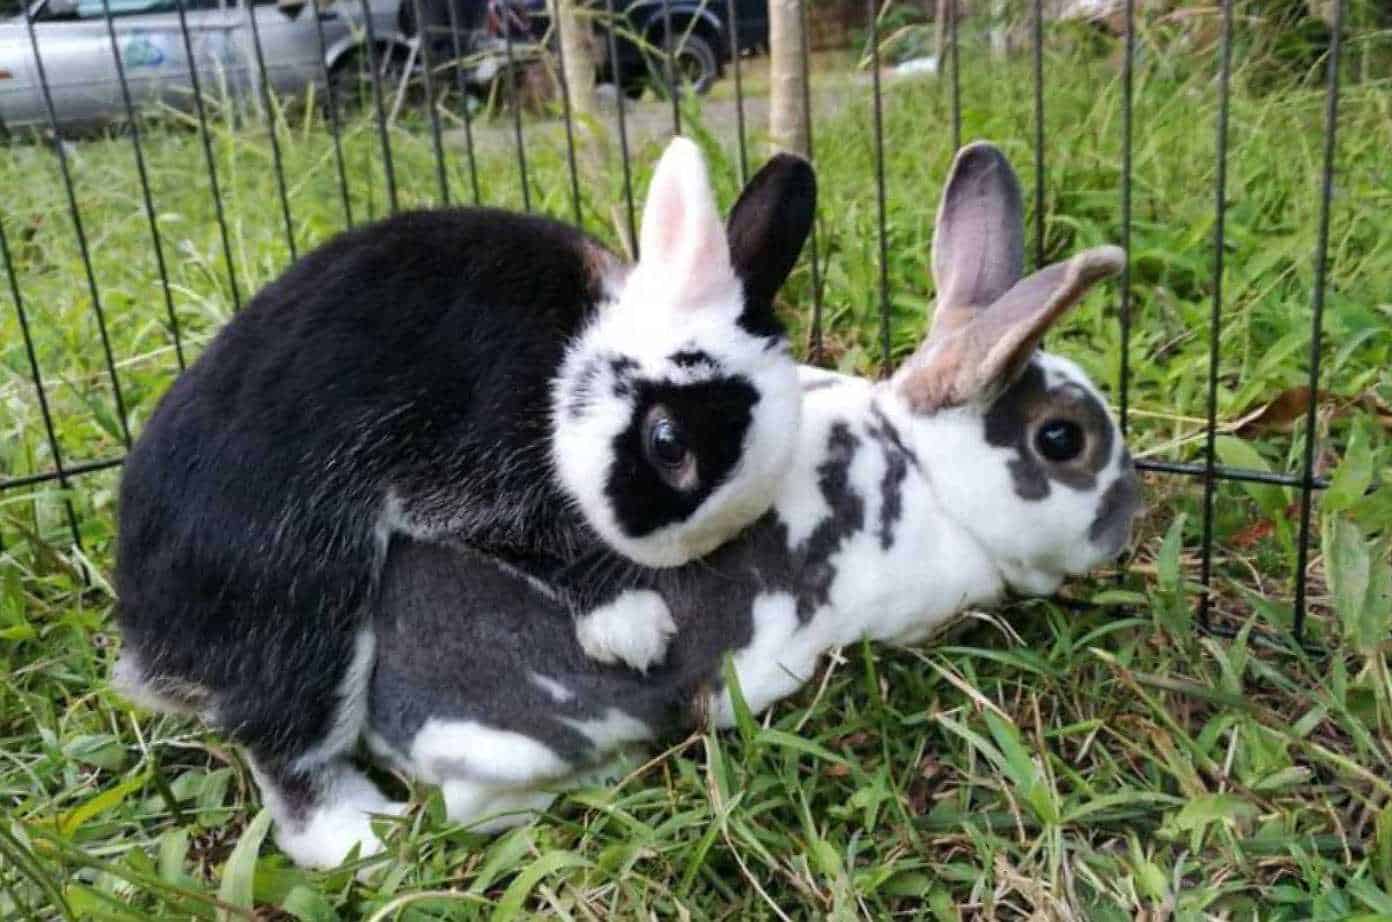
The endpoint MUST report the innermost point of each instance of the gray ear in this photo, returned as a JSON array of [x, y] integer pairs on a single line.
[[978, 242], [982, 355]]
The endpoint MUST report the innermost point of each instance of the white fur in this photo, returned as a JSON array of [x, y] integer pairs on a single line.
[[682, 294], [445, 749], [341, 822], [775, 662], [130, 680], [962, 539], [634, 629], [681, 240], [489, 809], [558, 692], [1034, 544], [612, 730]]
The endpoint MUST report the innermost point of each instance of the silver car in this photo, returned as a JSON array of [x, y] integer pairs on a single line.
[[80, 68]]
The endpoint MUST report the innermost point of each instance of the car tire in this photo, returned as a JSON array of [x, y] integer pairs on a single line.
[[352, 84], [697, 65]]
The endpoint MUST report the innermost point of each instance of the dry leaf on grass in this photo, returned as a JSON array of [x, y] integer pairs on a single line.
[[1290, 406]]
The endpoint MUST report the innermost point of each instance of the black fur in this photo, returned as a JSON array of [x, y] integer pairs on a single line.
[[402, 358], [898, 458], [1119, 505], [583, 390], [692, 357], [847, 517], [404, 366], [715, 415], [767, 227]]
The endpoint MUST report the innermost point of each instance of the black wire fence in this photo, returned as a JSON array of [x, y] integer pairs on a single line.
[[386, 71]]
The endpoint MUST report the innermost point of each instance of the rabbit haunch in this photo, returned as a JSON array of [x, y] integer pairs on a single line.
[[982, 467], [403, 380]]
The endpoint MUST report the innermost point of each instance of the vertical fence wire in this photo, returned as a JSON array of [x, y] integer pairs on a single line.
[[871, 9], [79, 232], [566, 112], [815, 337], [956, 86], [610, 27], [462, 87], [269, 114], [733, 18], [1216, 314], [331, 98], [516, 102], [1038, 43], [670, 65], [428, 73], [133, 126], [1127, 68], [208, 159], [377, 69], [36, 375], [1331, 122]]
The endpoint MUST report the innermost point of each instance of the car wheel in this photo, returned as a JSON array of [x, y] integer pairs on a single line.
[[351, 77], [695, 64]]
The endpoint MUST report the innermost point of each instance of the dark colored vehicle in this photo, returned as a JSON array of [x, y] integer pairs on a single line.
[[701, 39]]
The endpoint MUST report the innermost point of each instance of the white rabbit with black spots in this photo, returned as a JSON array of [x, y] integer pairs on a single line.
[[459, 374], [983, 466]]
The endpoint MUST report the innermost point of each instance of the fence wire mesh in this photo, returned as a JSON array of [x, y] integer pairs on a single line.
[[369, 72]]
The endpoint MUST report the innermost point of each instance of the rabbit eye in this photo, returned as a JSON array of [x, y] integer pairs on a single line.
[[666, 443], [1059, 440]]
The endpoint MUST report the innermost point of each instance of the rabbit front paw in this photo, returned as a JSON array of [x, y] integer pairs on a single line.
[[633, 629]]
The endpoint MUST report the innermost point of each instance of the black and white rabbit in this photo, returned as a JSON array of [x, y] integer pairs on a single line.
[[469, 374], [983, 466]]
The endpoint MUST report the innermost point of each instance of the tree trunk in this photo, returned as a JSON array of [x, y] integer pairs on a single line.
[[787, 120], [577, 37], [940, 34], [999, 29]]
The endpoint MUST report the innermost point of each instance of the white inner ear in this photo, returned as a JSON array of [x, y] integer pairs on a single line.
[[682, 236]]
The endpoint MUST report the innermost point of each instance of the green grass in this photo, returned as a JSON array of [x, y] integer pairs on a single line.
[[1054, 763]]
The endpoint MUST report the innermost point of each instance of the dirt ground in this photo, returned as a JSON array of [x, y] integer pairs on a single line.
[[650, 119]]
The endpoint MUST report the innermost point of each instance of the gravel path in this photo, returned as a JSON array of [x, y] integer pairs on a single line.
[[648, 121]]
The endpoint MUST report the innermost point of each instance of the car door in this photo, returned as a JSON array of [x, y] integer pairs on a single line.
[[75, 47], [76, 65], [289, 45], [154, 52]]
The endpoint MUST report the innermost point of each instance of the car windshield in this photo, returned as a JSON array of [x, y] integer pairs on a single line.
[[94, 9]]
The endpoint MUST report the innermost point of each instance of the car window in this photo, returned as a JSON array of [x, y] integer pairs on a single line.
[[94, 9]]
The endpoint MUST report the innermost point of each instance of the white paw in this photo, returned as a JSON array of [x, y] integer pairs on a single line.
[[634, 629], [331, 831], [492, 810]]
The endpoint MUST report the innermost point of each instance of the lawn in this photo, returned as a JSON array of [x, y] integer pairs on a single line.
[[1093, 757]]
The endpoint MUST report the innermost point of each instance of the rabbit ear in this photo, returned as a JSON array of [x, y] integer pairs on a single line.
[[766, 230], [681, 238], [986, 352], [978, 241]]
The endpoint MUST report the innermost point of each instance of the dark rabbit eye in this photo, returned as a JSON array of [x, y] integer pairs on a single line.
[[1059, 440], [666, 443]]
